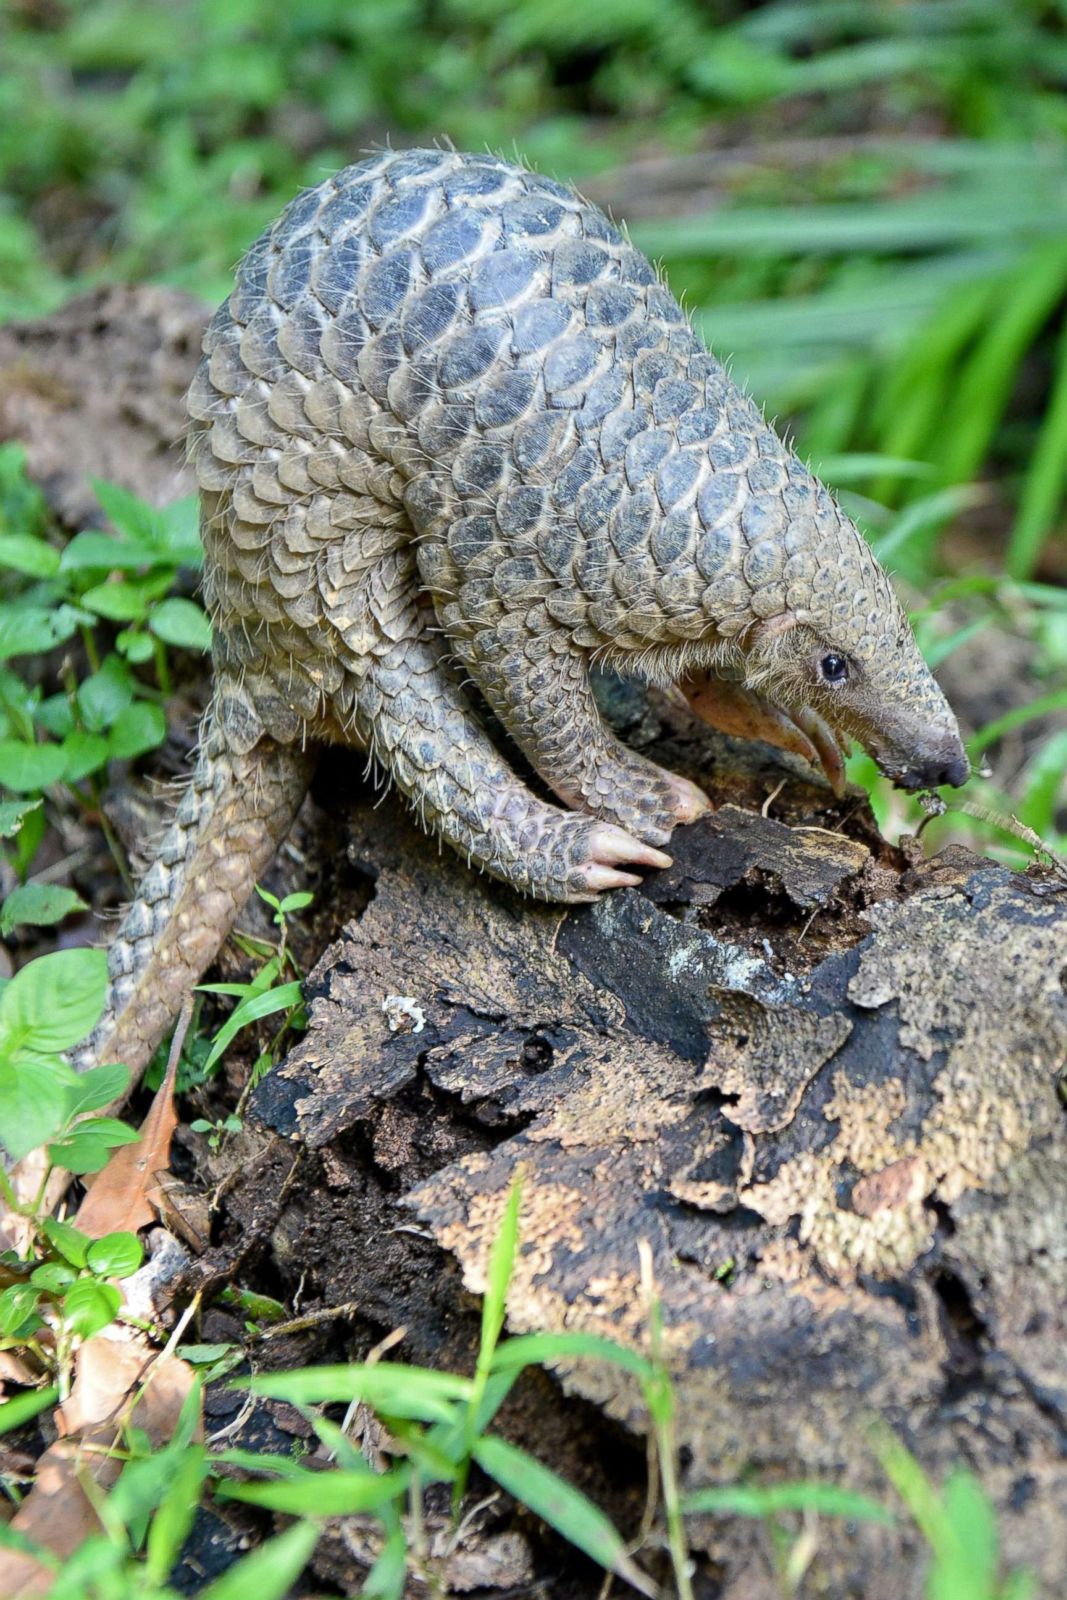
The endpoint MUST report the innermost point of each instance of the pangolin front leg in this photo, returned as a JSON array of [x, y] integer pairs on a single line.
[[539, 687], [413, 715]]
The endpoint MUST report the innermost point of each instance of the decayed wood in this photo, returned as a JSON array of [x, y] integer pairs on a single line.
[[819, 1076]]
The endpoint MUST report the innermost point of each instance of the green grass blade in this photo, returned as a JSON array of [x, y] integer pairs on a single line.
[[387, 1387], [533, 1349], [1043, 706], [321, 1494], [740, 1500], [20, 1409], [1041, 499], [269, 1572], [562, 1506]]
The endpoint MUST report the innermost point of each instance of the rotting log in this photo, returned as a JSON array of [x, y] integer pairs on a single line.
[[820, 1076]]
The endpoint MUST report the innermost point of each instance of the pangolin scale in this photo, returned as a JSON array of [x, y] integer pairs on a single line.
[[452, 432]]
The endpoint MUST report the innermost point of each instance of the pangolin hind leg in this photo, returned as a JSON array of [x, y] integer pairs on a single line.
[[235, 811], [415, 718], [539, 688]]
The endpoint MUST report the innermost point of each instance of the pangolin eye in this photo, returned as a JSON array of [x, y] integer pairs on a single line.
[[834, 669]]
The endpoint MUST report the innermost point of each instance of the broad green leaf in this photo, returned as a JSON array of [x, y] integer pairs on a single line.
[[23, 552], [19, 1409], [53, 1003], [88, 1146], [178, 532], [38, 905], [752, 1500], [116, 1255], [84, 753], [269, 1572], [136, 647], [34, 1097], [18, 1305], [105, 694], [93, 551], [89, 1305], [385, 1386], [12, 813], [181, 622], [31, 630], [119, 602], [53, 1276], [140, 727], [99, 1086], [25, 767], [67, 1240], [562, 1506], [133, 517], [322, 1494]]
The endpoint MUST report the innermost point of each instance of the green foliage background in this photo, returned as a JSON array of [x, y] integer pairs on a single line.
[[863, 203]]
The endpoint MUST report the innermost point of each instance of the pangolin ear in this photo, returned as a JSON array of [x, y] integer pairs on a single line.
[[771, 629]]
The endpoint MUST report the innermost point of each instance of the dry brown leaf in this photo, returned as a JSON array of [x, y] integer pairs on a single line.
[[125, 1195], [57, 1513]]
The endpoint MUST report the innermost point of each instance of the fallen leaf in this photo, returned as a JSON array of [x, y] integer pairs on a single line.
[[125, 1195]]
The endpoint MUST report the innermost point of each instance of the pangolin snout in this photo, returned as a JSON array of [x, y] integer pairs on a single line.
[[952, 770]]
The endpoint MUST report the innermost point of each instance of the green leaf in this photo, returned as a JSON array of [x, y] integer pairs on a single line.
[[25, 767], [23, 552], [34, 1097], [31, 630], [84, 753], [98, 1087], [178, 531], [263, 1461], [322, 1494], [54, 1002], [534, 1349], [119, 602], [181, 622], [125, 511], [387, 1387], [19, 1409], [18, 1306], [89, 1305], [251, 1010], [387, 1578], [136, 647], [562, 1506], [102, 552], [116, 1255], [105, 694], [53, 1276], [88, 1146], [140, 727], [67, 1240], [174, 1518], [38, 905], [269, 1572], [12, 813], [752, 1500]]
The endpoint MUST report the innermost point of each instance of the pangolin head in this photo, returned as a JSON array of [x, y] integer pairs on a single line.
[[843, 650]]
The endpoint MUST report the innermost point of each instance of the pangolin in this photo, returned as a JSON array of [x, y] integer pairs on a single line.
[[453, 432]]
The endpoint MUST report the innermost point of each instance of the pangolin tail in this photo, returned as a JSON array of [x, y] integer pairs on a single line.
[[233, 814]]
